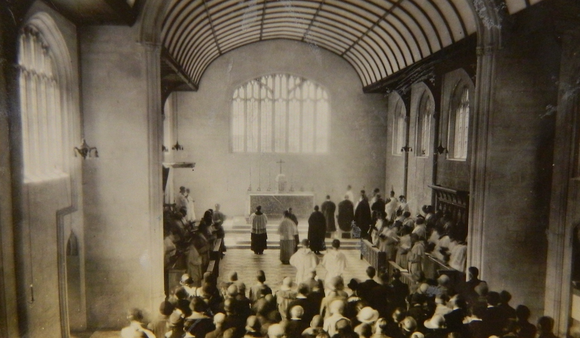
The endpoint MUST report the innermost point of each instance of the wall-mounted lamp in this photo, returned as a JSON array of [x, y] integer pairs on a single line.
[[85, 151], [406, 149], [177, 146], [441, 149]]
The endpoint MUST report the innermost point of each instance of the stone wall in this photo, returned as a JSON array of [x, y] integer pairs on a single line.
[[356, 153]]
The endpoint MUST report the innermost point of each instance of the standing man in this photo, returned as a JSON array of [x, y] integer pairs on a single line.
[[328, 208], [376, 195], [362, 215], [218, 217], [218, 226], [415, 257], [334, 261], [190, 206], [391, 208], [259, 236], [378, 205], [304, 260], [292, 217], [316, 231], [288, 232], [345, 214], [295, 220], [349, 193], [181, 201]]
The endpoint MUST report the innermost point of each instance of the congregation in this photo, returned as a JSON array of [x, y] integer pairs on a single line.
[[187, 242], [383, 306], [321, 309]]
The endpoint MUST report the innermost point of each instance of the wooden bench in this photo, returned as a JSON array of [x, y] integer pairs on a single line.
[[373, 255]]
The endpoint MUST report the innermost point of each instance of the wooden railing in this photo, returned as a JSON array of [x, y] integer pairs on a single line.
[[373, 255], [215, 257], [456, 204], [432, 268]]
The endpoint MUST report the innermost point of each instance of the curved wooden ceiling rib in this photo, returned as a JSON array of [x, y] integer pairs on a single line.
[[377, 37]]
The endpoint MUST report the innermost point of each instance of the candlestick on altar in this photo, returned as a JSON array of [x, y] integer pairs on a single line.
[[269, 178], [250, 187]]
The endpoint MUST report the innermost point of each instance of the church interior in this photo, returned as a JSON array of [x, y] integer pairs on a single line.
[[108, 107]]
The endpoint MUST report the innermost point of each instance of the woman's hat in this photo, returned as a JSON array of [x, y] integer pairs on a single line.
[[367, 315]]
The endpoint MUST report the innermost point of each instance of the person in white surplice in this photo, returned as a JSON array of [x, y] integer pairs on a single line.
[[304, 260], [190, 206], [334, 261]]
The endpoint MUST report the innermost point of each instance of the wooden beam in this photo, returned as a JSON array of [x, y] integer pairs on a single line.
[[173, 64], [424, 69]]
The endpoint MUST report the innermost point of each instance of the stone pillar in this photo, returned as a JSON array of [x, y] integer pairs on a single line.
[[155, 138], [122, 188], [486, 56], [557, 302]]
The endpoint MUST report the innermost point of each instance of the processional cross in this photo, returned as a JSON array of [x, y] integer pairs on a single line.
[[280, 163]]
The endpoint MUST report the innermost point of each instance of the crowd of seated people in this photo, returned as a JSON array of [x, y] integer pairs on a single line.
[[188, 244], [314, 309], [406, 239]]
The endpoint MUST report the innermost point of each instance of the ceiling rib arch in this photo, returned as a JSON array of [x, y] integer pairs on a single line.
[[377, 37]]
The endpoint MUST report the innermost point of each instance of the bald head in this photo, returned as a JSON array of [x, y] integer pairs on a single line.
[[275, 331], [219, 319]]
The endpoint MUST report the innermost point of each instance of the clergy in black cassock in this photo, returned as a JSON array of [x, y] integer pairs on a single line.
[[316, 230], [362, 215], [328, 208]]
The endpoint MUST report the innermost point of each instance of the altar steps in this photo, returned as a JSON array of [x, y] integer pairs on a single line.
[[238, 234]]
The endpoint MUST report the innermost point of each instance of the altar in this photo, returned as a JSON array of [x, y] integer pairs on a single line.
[[274, 203]]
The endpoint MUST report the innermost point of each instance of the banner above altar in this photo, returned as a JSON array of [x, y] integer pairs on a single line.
[[274, 203]]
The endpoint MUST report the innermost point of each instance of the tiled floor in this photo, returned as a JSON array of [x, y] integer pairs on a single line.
[[246, 264], [241, 259]]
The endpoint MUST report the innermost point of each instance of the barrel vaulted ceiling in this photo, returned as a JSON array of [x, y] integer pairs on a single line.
[[377, 37]]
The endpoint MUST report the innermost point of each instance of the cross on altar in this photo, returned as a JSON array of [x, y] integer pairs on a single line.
[[280, 163]]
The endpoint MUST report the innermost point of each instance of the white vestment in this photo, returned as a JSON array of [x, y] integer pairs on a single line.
[[190, 209], [304, 261], [334, 262]]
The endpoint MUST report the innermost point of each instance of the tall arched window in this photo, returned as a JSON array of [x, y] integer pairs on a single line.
[[459, 123], [44, 109], [280, 113], [399, 127], [424, 115]]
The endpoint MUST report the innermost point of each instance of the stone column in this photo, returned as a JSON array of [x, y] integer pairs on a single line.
[[155, 137], [561, 227], [486, 57]]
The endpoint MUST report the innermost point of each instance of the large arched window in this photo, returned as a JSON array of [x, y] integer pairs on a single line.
[[424, 115], [44, 105], [399, 127], [459, 123], [280, 113]]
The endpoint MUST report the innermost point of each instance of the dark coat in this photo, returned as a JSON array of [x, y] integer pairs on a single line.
[[328, 208], [454, 320], [365, 290], [294, 328], [493, 321], [345, 215], [362, 217], [316, 231], [379, 205]]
